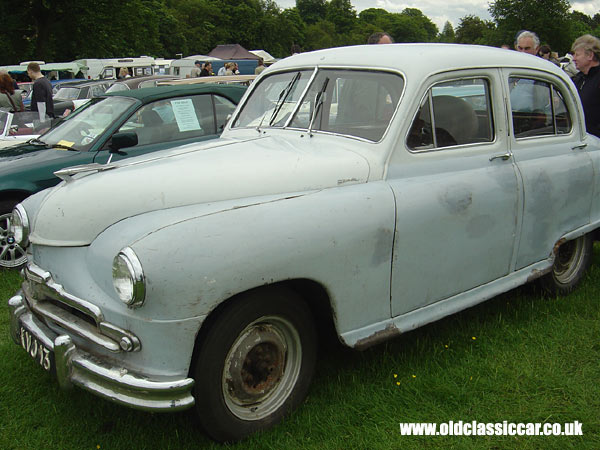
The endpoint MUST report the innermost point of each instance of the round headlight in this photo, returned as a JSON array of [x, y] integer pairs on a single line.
[[19, 226], [128, 278]]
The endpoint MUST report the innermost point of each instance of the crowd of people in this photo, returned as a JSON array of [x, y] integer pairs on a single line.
[[204, 69], [582, 64]]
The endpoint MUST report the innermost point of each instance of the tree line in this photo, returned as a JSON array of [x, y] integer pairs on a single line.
[[62, 30]]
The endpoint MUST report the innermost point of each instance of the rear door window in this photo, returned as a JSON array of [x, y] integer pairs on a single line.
[[538, 108]]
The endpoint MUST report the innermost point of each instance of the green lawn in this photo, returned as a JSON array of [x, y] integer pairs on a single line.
[[519, 358]]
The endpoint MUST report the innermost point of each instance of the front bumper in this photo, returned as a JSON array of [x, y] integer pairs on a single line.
[[75, 366]]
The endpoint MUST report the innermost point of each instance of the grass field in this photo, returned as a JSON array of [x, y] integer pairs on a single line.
[[520, 357]]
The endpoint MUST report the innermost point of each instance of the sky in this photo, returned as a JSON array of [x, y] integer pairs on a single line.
[[440, 11]]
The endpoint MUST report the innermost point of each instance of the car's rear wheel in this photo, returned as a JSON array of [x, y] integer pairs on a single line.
[[254, 364], [572, 260], [12, 255]]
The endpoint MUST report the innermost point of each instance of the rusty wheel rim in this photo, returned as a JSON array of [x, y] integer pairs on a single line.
[[261, 368]]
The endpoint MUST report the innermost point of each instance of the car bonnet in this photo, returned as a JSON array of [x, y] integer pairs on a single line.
[[76, 211]]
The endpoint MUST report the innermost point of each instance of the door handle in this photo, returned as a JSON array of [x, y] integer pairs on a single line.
[[503, 157], [579, 147]]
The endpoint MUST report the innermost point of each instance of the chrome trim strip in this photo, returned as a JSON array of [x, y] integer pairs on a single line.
[[46, 285], [39, 285], [66, 174], [77, 367], [73, 324]]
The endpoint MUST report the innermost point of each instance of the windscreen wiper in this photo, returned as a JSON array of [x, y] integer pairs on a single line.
[[62, 147], [37, 141], [283, 95], [319, 99]]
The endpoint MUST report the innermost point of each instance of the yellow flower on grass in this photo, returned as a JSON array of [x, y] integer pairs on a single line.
[[397, 383], [395, 375], [446, 345], [473, 337], [471, 378], [414, 376], [98, 446]]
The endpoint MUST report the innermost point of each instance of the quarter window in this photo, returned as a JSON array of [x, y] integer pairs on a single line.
[[538, 108], [453, 113]]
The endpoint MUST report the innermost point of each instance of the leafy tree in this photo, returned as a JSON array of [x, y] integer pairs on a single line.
[[447, 34], [320, 35], [430, 29], [375, 16], [580, 24], [294, 32], [548, 18], [311, 11], [341, 14], [472, 30]]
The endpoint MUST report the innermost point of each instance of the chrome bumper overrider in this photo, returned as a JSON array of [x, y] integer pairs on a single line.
[[74, 366]]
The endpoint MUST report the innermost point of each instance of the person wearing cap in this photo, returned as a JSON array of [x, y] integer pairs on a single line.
[[197, 69], [586, 56]]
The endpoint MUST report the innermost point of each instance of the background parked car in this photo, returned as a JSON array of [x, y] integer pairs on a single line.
[[73, 94], [125, 84], [19, 127], [128, 122]]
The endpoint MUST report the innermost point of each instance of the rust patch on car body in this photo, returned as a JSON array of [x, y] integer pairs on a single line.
[[536, 273], [388, 332], [557, 246]]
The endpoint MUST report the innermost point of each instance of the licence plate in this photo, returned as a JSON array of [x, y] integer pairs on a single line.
[[36, 349]]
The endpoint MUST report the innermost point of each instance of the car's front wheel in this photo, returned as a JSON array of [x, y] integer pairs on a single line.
[[12, 255], [572, 260], [254, 364]]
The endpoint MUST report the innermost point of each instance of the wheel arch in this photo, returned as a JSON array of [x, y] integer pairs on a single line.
[[12, 196], [313, 293]]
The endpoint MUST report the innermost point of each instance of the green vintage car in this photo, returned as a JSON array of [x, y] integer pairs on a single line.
[[110, 127]]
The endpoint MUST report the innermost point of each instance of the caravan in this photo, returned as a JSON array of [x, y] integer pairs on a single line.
[[137, 66]]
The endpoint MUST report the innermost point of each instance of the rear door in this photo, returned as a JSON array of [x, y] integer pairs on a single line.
[[556, 170]]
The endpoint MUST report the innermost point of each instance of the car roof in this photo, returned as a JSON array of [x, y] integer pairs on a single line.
[[84, 83], [417, 61], [212, 79], [135, 81], [147, 95]]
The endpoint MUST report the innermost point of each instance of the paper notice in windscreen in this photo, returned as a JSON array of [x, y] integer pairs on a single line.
[[185, 115]]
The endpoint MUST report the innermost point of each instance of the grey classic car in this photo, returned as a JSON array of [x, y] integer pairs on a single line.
[[369, 189]]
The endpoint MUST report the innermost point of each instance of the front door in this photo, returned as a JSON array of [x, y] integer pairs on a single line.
[[456, 192]]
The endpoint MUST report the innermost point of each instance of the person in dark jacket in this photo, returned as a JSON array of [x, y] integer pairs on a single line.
[[206, 70], [586, 55], [42, 89]]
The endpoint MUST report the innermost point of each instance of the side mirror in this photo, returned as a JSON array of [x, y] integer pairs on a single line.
[[125, 139]]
